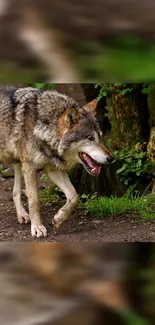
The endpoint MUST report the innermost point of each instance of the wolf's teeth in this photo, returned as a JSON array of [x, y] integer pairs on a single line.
[[93, 169], [84, 156]]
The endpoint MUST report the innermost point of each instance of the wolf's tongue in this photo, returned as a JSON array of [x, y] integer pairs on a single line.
[[97, 170], [92, 164]]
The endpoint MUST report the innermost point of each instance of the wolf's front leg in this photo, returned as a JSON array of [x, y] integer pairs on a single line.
[[62, 180], [17, 188], [30, 176]]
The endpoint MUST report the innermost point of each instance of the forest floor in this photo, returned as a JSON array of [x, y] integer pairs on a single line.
[[113, 228]]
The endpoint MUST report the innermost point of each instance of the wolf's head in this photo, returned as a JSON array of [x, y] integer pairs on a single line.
[[81, 139]]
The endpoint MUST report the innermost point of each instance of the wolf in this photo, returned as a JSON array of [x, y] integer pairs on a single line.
[[47, 130]]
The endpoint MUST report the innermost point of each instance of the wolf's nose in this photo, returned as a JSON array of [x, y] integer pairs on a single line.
[[110, 159]]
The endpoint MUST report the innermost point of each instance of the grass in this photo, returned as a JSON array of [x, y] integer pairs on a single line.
[[49, 195], [142, 205]]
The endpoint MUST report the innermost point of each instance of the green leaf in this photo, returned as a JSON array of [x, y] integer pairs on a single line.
[[146, 89], [121, 169], [97, 85], [1, 167], [84, 196], [126, 182], [123, 92], [118, 84], [140, 155], [51, 85], [39, 85], [128, 160], [139, 163]]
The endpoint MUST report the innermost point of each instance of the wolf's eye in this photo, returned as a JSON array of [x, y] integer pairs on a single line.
[[91, 138]]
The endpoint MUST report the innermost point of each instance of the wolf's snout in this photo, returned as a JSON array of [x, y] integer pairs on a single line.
[[110, 159]]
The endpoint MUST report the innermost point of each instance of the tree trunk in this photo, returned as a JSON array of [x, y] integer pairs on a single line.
[[151, 108], [129, 116], [151, 143]]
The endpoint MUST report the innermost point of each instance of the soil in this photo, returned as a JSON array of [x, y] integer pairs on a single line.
[[113, 228]]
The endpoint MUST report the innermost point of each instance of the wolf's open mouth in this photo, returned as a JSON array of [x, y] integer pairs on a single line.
[[93, 167]]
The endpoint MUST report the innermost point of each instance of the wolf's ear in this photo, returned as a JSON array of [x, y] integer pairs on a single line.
[[91, 107], [68, 119], [71, 116]]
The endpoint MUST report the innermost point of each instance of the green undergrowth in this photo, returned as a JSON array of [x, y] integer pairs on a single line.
[[122, 58], [1, 168], [102, 206], [142, 205], [50, 195]]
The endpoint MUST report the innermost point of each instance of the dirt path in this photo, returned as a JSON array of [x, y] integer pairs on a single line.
[[80, 228]]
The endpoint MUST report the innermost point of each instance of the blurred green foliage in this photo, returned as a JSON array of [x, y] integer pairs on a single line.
[[44, 85]]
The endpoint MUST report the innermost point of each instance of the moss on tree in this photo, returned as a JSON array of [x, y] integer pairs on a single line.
[[151, 108], [129, 116]]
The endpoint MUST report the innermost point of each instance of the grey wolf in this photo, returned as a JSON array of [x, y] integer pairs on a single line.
[[50, 131]]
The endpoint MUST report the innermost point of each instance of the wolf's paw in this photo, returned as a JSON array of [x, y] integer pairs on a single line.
[[23, 217], [57, 221], [38, 230], [56, 226]]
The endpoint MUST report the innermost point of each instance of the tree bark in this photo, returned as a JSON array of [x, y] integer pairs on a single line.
[[151, 143], [151, 108], [129, 116]]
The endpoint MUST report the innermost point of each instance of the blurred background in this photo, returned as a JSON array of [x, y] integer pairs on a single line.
[[51, 283], [71, 41]]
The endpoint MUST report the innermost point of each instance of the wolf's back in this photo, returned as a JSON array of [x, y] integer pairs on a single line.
[[6, 104]]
